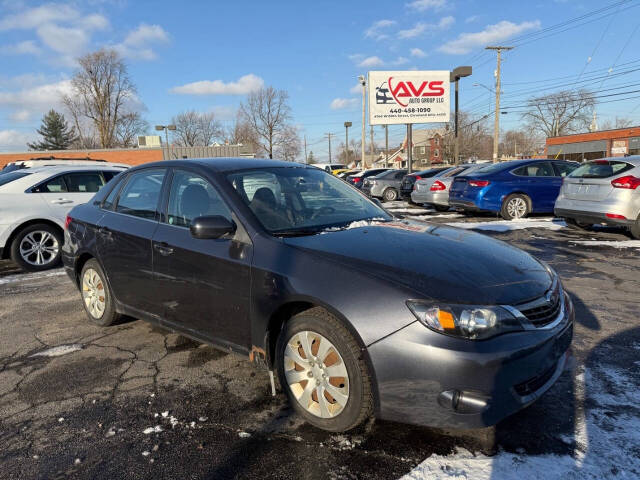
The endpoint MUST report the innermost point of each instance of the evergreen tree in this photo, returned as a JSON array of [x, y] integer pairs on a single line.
[[311, 159], [56, 133]]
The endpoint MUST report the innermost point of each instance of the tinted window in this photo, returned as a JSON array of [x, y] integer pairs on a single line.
[[564, 169], [601, 169], [84, 182], [542, 169], [192, 196], [10, 177], [139, 197], [109, 174], [110, 201], [55, 185]]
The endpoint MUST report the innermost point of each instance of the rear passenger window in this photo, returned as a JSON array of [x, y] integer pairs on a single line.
[[84, 182], [110, 201], [140, 196], [192, 196], [55, 185], [543, 169]]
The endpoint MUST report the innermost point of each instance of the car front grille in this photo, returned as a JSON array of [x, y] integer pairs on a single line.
[[535, 383], [545, 311]]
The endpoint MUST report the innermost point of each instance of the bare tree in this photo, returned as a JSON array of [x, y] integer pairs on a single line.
[[267, 113], [560, 113], [241, 133], [619, 122], [130, 125], [196, 128], [288, 144], [521, 142], [474, 136], [102, 92]]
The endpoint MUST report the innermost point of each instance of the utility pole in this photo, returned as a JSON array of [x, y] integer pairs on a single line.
[[371, 144], [386, 146], [409, 146], [364, 90], [328, 135], [306, 159], [346, 141], [496, 125]]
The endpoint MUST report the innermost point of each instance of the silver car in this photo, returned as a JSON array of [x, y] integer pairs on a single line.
[[602, 192], [435, 190]]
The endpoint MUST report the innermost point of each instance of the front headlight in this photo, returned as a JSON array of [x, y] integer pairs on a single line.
[[474, 322]]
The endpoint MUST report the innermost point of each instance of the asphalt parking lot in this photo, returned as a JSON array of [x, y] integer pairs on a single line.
[[134, 401]]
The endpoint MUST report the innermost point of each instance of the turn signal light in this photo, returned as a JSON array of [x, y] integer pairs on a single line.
[[478, 183], [67, 221], [438, 186], [630, 182]]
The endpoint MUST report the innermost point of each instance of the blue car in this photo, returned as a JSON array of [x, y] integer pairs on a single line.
[[514, 189]]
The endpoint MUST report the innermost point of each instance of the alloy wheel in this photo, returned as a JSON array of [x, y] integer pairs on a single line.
[[93, 293], [39, 248], [517, 207], [316, 374]]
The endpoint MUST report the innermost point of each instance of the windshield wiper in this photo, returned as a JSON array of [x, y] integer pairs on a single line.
[[297, 232]]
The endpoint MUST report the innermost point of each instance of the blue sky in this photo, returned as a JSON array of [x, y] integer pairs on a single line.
[[207, 55]]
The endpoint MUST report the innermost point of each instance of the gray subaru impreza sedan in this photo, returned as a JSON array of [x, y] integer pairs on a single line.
[[358, 312]]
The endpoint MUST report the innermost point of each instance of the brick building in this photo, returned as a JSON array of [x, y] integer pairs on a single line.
[[135, 156], [428, 149], [591, 145]]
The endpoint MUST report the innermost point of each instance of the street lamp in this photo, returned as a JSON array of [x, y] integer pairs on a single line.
[[364, 89], [166, 135], [457, 74], [346, 139]]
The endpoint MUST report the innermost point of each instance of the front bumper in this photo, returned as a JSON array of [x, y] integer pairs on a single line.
[[447, 382]]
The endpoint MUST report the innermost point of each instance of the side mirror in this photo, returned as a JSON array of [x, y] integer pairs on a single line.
[[214, 226]]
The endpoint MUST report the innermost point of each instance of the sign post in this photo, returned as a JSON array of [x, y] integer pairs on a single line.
[[408, 97]]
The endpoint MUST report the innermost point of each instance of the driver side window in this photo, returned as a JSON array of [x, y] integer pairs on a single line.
[[192, 196]]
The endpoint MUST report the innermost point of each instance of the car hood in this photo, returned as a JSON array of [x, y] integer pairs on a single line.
[[435, 261]]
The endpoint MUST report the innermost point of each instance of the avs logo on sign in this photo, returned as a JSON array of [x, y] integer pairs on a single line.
[[408, 97], [401, 91]]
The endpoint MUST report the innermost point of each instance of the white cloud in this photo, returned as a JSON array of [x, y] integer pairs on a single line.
[[28, 47], [342, 103], [376, 30], [224, 112], [15, 140], [423, 5], [245, 84], [31, 101], [503, 30], [20, 115], [421, 27], [138, 44], [371, 62], [35, 17], [416, 52], [472, 18], [400, 61], [68, 41]]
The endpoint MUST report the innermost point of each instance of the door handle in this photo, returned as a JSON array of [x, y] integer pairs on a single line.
[[163, 248], [61, 201]]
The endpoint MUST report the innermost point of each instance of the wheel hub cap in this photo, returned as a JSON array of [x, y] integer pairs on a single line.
[[39, 248], [517, 207], [93, 293], [316, 374]]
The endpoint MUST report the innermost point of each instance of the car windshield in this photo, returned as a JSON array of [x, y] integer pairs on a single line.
[[600, 169], [11, 176], [302, 201]]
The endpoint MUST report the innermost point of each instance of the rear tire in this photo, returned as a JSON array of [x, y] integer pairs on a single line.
[[390, 195], [37, 247], [515, 206], [635, 229], [576, 225], [97, 298], [441, 208], [351, 401]]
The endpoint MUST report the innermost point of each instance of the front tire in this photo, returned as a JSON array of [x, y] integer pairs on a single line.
[[37, 247], [323, 372], [515, 206], [97, 298], [390, 195]]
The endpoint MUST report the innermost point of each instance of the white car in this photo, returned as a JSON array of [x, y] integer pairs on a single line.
[[53, 161], [34, 203]]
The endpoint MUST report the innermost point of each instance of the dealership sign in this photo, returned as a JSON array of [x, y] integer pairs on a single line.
[[409, 97]]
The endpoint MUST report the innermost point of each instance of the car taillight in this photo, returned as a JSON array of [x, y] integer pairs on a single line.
[[437, 186], [67, 221], [418, 177], [615, 215], [478, 183], [630, 182], [357, 180]]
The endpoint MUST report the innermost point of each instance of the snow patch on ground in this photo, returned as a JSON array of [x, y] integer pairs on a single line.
[[606, 437], [609, 243], [59, 350], [31, 276], [411, 210], [443, 215], [510, 225]]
